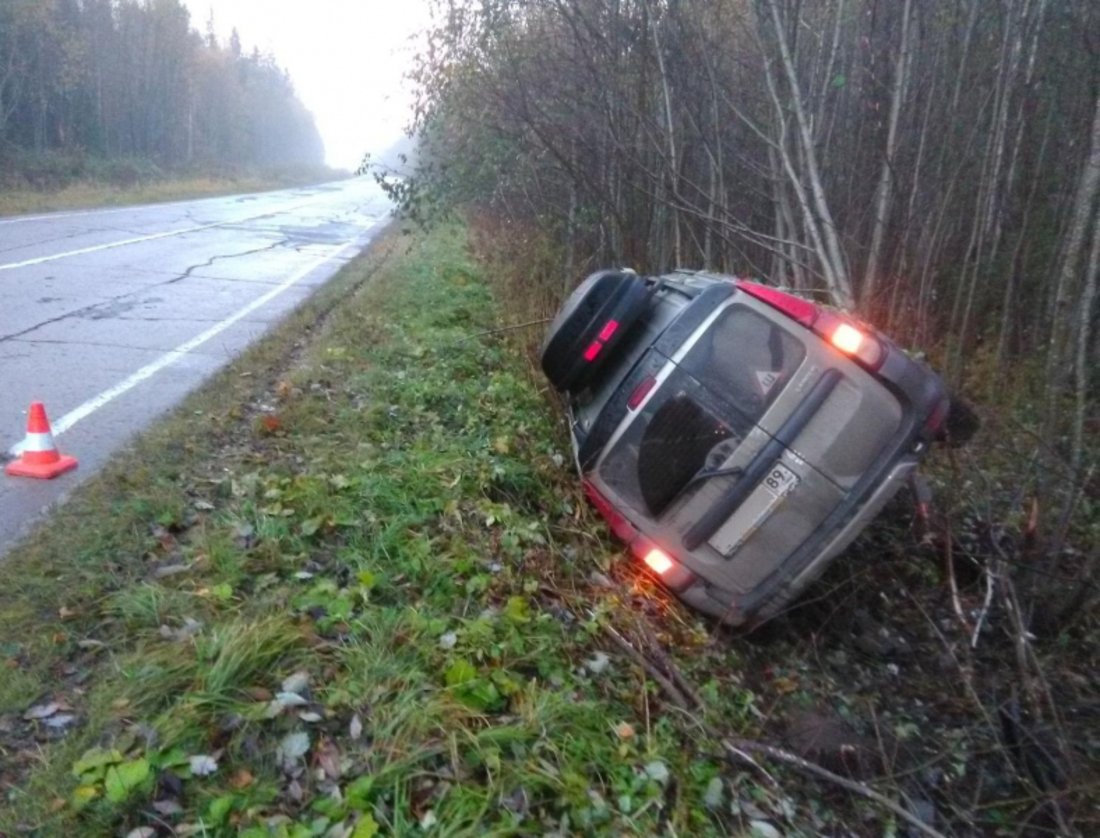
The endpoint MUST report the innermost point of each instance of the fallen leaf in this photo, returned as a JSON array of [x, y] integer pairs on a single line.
[[292, 748], [328, 758], [282, 702], [657, 771], [597, 663], [203, 765], [784, 685], [42, 711], [241, 780], [189, 628], [296, 683], [763, 829], [170, 570], [599, 580], [712, 799], [167, 808]]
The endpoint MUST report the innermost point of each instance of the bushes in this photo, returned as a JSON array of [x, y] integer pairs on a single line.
[[49, 171]]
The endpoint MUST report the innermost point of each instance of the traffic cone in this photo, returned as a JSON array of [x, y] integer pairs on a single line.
[[40, 457]]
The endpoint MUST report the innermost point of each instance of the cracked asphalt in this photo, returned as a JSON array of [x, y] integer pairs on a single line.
[[110, 317]]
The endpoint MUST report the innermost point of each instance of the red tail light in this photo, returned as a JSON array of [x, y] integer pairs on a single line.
[[839, 331], [804, 311], [609, 328], [640, 392]]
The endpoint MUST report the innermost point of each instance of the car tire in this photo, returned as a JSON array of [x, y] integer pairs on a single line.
[[961, 424], [582, 338]]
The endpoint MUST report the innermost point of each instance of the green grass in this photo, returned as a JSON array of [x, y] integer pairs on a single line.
[[398, 528], [356, 571], [145, 185]]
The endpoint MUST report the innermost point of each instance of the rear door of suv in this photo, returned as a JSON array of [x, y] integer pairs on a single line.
[[754, 434]]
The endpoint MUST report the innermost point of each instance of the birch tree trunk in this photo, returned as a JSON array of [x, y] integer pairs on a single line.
[[1082, 370], [884, 193], [815, 206], [1083, 202], [672, 168]]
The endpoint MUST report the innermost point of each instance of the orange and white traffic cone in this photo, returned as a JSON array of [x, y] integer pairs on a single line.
[[39, 457]]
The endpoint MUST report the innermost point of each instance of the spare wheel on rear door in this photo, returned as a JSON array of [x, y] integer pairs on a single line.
[[593, 321]]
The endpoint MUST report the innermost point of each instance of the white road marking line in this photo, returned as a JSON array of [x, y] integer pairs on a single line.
[[167, 359], [110, 245], [50, 216]]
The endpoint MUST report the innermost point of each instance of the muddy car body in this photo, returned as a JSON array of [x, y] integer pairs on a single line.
[[737, 437]]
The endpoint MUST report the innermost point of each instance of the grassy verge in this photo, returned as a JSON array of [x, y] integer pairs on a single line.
[[350, 584], [352, 589], [19, 196]]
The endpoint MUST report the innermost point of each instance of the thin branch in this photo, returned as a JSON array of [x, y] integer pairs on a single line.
[[737, 748]]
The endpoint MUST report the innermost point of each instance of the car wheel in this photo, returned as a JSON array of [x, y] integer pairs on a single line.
[[590, 326]]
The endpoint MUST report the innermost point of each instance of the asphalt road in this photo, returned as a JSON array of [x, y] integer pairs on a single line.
[[110, 317]]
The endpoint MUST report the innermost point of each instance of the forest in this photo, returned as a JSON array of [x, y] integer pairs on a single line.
[[933, 164], [135, 81]]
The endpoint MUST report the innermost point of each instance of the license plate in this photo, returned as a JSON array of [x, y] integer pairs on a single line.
[[756, 509], [779, 481]]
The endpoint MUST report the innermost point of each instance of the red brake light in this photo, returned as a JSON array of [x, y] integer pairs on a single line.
[[803, 311], [640, 392], [603, 337], [863, 347], [659, 561]]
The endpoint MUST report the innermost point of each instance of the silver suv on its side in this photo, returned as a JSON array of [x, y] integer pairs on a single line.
[[735, 436]]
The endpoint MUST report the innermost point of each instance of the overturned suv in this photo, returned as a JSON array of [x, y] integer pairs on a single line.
[[737, 437]]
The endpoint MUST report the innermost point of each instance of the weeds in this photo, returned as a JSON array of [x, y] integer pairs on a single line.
[[388, 537], [48, 181], [353, 589]]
